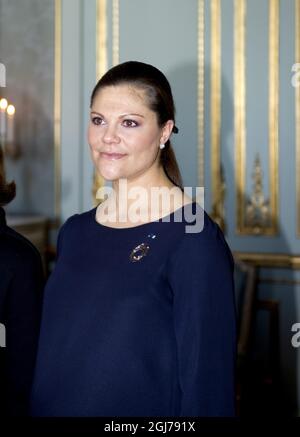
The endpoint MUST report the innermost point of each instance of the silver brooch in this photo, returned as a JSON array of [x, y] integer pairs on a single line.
[[139, 252]]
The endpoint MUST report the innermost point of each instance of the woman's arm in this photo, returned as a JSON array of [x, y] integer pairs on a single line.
[[23, 312], [201, 276]]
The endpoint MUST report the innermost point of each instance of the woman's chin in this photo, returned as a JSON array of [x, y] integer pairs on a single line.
[[109, 175]]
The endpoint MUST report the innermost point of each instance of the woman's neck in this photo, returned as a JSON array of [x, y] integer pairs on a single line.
[[141, 203]]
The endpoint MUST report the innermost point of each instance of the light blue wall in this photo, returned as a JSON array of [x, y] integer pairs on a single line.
[[164, 33], [71, 107]]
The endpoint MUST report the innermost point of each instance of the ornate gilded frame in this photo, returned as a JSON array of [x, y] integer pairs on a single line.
[[265, 259], [240, 116]]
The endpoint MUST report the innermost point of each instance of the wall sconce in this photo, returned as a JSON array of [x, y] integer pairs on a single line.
[[7, 129]]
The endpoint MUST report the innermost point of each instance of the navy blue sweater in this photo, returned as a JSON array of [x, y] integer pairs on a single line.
[[151, 337]]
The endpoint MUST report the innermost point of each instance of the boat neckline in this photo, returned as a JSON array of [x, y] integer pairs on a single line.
[[162, 219]]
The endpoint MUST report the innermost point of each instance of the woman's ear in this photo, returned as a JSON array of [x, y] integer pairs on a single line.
[[166, 131]]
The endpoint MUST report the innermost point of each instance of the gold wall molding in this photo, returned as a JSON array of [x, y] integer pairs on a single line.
[[240, 11], [279, 281], [101, 68], [218, 208], [102, 60], [270, 259], [201, 91], [274, 112], [115, 32], [101, 35], [217, 183], [239, 106], [297, 118], [57, 110]]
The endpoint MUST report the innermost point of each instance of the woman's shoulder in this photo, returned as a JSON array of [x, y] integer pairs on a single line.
[[74, 227], [78, 220], [17, 250], [202, 238], [12, 240]]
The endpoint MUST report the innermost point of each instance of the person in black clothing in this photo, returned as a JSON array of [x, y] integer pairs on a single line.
[[21, 284]]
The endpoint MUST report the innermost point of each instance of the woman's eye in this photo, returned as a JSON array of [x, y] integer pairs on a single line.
[[130, 123], [97, 120]]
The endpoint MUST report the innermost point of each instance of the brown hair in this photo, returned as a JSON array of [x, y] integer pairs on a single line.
[[7, 191], [160, 100]]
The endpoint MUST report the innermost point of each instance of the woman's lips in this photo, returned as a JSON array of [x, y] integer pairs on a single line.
[[112, 156]]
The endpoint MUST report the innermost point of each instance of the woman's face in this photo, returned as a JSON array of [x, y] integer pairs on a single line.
[[123, 134]]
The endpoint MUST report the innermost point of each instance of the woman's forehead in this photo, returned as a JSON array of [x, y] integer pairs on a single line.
[[121, 97], [129, 91]]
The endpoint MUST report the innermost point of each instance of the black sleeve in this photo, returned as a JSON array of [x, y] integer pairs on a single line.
[[23, 313]]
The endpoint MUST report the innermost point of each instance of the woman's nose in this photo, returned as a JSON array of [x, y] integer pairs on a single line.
[[110, 134]]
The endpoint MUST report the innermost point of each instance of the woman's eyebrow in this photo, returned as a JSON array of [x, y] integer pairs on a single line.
[[121, 116], [126, 115], [95, 112]]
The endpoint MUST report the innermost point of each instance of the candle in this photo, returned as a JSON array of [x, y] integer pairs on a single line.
[[10, 123], [3, 106]]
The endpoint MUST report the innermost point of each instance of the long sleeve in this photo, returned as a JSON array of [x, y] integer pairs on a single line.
[[200, 273], [23, 309]]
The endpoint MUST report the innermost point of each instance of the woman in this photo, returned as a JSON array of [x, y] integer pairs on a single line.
[[21, 284], [138, 316]]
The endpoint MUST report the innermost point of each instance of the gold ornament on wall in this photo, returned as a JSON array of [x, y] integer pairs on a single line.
[[258, 207]]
